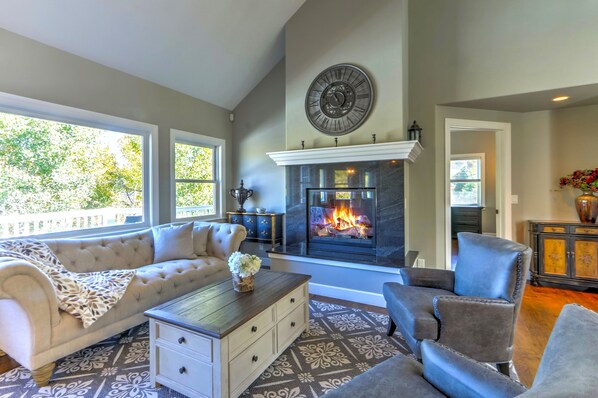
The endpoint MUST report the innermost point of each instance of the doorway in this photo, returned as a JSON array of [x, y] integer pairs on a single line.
[[501, 206]]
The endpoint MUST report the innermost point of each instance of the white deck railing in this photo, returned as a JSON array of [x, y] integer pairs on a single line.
[[43, 223]]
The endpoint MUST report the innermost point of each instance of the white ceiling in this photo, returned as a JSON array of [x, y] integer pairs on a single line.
[[536, 101], [214, 50]]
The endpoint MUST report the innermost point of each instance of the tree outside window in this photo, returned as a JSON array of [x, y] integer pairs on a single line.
[[57, 177], [195, 178], [466, 185]]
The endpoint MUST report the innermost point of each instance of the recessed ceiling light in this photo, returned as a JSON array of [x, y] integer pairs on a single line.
[[561, 98]]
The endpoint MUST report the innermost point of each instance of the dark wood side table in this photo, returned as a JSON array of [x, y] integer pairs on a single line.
[[261, 227], [564, 253], [466, 219]]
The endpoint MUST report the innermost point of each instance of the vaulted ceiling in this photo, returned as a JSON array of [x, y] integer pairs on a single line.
[[214, 50]]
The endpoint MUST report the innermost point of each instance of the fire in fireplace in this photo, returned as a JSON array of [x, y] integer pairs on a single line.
[[342, 219]]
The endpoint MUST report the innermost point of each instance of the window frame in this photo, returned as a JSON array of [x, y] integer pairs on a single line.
[[219, 146], [471, 156], [23, 106]]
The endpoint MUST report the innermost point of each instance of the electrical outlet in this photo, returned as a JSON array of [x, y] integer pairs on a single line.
[[421, 263]]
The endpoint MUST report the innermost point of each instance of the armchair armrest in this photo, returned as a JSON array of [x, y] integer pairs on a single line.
[[478, 327], [428, 277], [456, 375], [28, 309]]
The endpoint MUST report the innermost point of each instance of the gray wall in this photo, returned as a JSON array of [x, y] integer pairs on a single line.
[[551, 144], [259, 128], [471, 49], [465, 142], [34, 70], [366, 33]]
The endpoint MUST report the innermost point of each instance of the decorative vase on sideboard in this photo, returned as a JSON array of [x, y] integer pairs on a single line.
[[586, 205]]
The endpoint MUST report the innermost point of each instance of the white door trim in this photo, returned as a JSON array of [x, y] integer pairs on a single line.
[[503, 175]]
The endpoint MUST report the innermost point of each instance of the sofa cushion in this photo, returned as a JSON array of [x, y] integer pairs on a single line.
[[173, 242], [398, 376], [126, 251], [200, 238], [413, 307]]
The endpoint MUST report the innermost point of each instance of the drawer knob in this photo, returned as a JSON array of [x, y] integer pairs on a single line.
[[293, 324], [181, 340], [182, 370], [254, 329], [292, 300], [254, 358]]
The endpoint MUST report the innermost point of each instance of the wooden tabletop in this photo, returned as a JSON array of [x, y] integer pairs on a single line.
[[217, 310]]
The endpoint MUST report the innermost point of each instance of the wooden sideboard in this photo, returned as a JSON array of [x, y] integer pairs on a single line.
[[564, 253], [261, 227], [466, 219]]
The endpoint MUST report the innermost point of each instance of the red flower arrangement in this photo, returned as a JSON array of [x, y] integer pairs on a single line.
[[586, 180]]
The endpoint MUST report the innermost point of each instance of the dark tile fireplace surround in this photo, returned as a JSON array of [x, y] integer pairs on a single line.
[[384, 183]]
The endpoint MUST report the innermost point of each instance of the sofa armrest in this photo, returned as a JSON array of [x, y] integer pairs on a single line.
[[428, 277], [481, 328], [224, 239], [28, 309], [457, 375]]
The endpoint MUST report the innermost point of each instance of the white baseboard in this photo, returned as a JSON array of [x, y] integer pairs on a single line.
[[342, 293]]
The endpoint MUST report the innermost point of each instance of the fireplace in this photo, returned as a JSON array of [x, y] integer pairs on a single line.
[[342, 220], [373, 191]]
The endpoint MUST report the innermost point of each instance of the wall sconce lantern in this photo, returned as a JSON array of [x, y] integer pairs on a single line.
[[415, 132]]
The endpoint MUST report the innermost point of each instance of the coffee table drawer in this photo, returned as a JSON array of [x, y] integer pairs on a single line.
[[291, 301], [252, 359], [250, 331], [183, 370], [290, 326], [184, 339]]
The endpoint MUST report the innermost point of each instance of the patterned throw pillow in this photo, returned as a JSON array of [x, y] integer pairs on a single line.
[[173, 242]]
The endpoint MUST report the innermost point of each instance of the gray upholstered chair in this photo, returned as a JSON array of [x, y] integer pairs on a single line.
[[472, 309], [568, 369]]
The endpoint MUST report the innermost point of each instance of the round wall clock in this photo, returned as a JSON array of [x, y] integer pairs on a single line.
[[339, 99]]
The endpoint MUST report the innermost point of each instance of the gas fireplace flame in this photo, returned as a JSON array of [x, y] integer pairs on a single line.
[[343, 221], [343, 218]]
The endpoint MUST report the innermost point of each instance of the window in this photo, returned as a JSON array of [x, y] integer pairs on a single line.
[[197, 175], [62, 172], [467, 179]]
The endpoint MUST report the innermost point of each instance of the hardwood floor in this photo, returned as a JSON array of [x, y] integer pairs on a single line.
[[7, 363], [539, 310]]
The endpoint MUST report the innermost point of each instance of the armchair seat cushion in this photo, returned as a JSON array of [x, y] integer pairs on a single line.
[[398, 376], [413, 305]]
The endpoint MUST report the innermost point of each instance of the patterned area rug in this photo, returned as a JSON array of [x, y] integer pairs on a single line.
[[342, 342]]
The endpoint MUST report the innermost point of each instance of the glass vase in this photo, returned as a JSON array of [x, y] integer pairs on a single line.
[[586, 205], [243, 284]]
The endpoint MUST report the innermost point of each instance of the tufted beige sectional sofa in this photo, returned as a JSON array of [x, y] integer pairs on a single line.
[[35, 332]]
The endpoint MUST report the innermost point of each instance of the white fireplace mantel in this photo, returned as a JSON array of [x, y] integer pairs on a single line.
[[399, 150]]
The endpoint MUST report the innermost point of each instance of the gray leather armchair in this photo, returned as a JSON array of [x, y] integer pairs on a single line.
[[568, 369], [472, 309]]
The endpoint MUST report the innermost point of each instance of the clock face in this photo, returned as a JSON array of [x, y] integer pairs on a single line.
[[339, 99]]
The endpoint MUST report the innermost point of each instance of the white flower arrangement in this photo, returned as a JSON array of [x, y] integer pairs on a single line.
[[244, 264]]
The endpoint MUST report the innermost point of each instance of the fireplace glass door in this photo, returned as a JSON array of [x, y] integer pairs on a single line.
[[342, 219]]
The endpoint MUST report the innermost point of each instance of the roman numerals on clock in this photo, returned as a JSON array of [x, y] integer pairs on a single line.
[[339, 99]]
